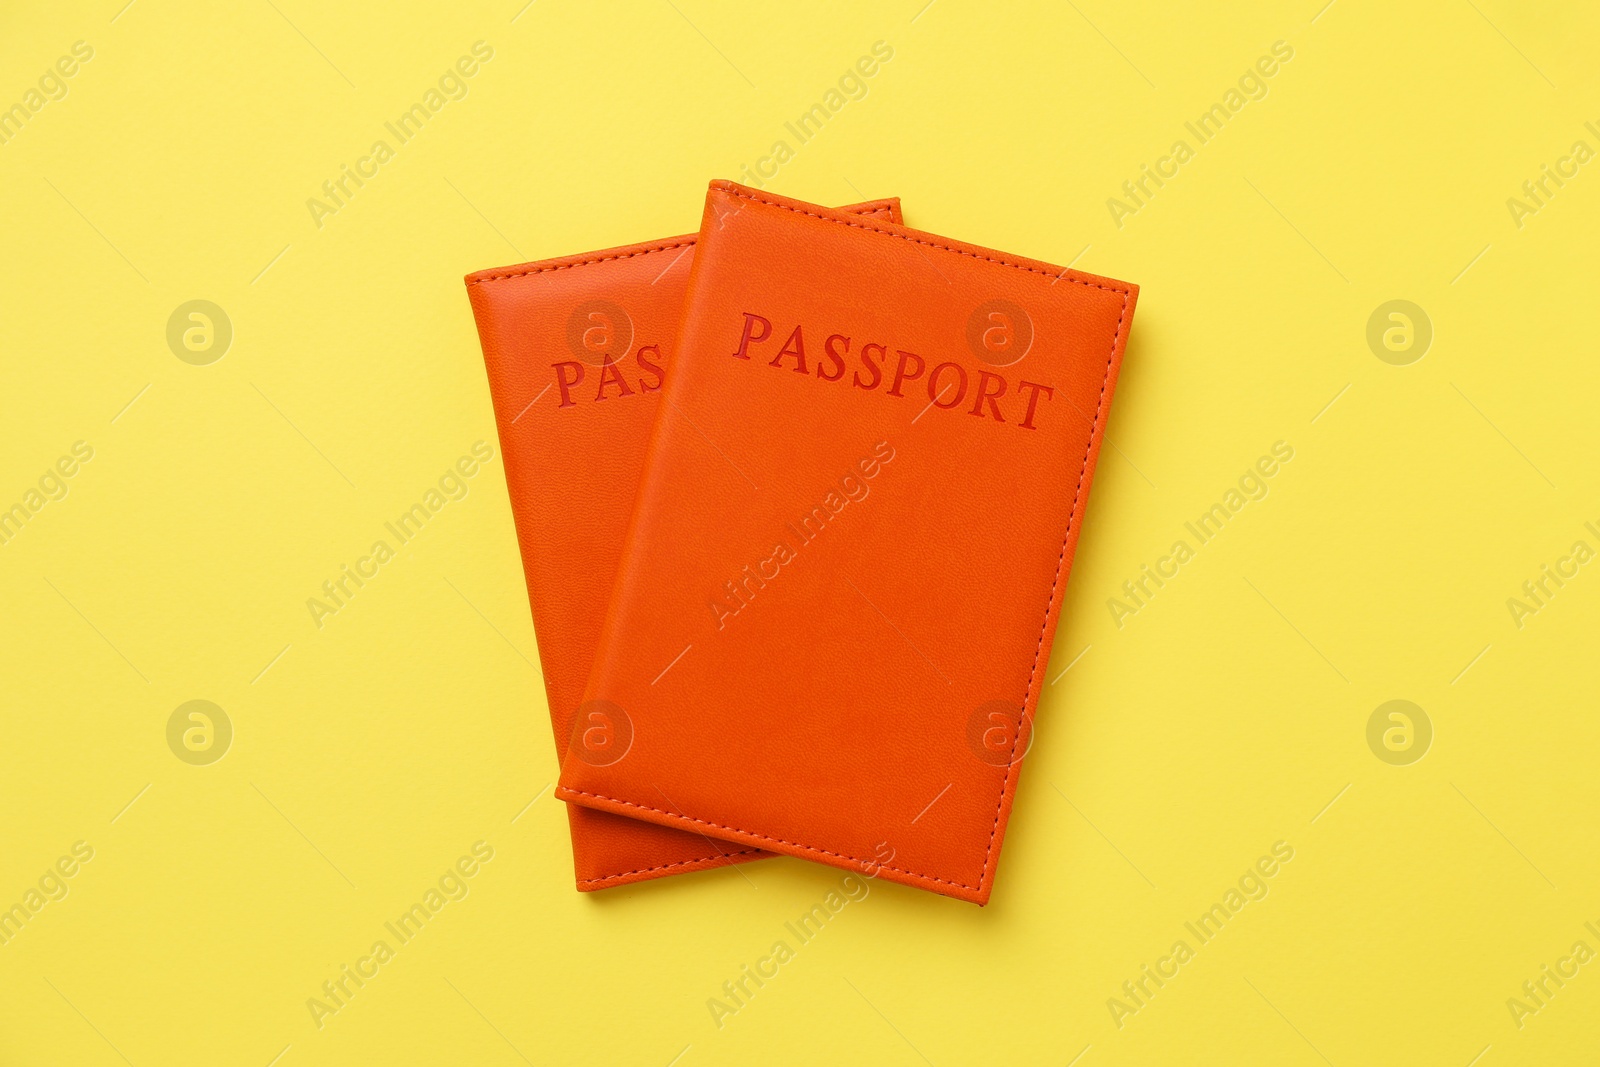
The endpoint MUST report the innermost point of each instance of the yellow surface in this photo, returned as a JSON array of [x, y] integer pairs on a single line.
[[1228, 713]]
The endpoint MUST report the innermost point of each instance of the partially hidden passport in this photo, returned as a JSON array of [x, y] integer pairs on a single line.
[[578, 351], [836, 600]]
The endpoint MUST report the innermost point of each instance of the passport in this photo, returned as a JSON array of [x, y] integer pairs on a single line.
[[835, 604], [578, 351]]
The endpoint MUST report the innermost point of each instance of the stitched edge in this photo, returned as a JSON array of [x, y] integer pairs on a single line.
[[1049, 604], [1064, 273], [668, 246], [766, 837], [581, 262], [886, 210], [1015, 772], [709, 861]]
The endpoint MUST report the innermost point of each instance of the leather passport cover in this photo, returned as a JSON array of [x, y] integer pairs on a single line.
[[837, 599], [577, 350]]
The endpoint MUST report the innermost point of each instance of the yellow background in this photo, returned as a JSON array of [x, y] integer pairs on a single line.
[[1228, 714]]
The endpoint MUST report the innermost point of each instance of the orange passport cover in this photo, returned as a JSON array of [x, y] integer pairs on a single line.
[[577, 351], [848, 556]]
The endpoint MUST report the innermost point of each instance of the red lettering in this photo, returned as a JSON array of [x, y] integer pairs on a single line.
[[900, 375], [947, 384], [611, 374], [1033, 400], [795, 346], [985, 378], [934, 392], [564, 383], [866, 361], [750, 334], [836, 357], [653, 368]]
